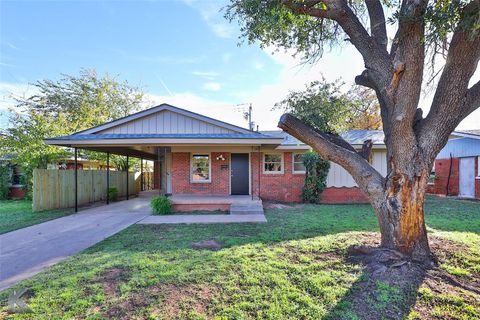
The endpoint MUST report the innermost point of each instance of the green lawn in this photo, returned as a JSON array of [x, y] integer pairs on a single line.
[[16, 214], [295, 266]]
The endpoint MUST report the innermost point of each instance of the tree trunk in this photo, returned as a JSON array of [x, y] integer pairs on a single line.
[[401, 216]]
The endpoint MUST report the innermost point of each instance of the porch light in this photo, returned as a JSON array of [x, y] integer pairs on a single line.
[[220, 158]]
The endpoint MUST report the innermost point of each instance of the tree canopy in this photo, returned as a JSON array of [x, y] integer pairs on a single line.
[[63, 107], [326, 108]]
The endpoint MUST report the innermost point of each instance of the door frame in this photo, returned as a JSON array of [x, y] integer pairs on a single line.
[[249, 172]]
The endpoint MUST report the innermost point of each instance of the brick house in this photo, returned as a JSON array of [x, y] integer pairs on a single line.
[[194, 154], [456, 171]]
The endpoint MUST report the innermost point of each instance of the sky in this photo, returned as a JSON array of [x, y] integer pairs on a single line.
[[179, 52]]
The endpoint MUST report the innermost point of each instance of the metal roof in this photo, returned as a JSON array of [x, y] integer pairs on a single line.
[[351, 136], [81, 137]]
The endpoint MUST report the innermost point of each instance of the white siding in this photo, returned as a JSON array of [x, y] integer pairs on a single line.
[[165, 122], [339, 177]]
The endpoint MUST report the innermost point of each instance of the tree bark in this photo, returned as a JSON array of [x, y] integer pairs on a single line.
[[401, 216]]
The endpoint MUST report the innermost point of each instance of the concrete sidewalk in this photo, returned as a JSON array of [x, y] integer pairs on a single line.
[[203, 219], [27, 251]]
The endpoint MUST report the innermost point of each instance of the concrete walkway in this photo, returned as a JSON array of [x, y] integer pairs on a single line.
[[28, 251], [204, 218]]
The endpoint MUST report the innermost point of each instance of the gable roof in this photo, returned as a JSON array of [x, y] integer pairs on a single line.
[[158, 109]]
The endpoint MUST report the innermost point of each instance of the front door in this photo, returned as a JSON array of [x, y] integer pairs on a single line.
[[239, 174], [467, 177]]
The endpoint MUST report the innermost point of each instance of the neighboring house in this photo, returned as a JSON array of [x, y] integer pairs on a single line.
[[456, 170], [195, 154], [82, 164], [16, 174]]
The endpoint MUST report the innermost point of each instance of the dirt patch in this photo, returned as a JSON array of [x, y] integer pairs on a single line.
[[276, 205], [182, 300], [110, 279], [206, 245]]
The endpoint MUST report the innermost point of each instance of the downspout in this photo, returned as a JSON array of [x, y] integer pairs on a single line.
[[449, 174]]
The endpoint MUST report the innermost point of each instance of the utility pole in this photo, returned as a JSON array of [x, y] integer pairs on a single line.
[[250, 123], [247, 115]]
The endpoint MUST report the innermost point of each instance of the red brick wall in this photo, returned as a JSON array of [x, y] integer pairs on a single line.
[[334, 195], [220, 177], [442, 168], [285, 187]]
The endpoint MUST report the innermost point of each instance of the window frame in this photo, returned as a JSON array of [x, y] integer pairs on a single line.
[[293, 164], [282, 163], [209, 154]]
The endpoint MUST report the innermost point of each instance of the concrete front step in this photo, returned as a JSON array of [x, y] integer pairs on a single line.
[[246, 208]]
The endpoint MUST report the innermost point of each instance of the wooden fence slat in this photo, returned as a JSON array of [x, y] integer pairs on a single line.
[[55, 189]]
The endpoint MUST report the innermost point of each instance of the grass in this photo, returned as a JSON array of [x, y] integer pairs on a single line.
[[295, 266], [16, 214]]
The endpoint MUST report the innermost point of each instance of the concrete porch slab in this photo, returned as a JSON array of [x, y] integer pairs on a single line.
[[211, 199], [204, 219]]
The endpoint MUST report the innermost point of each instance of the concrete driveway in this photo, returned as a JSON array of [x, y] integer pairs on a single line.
[[28, 251]]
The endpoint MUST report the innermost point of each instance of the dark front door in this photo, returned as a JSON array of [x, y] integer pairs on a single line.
[[239, 173]]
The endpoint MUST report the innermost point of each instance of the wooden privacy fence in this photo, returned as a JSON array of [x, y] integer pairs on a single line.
[[55, 189]]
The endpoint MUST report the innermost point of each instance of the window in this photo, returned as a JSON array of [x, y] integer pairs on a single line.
[[298, 166], [272, 163], [200, 168]]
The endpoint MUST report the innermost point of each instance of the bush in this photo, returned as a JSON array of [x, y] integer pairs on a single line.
[[315, 178], [5, 180], [161, 205], [112, 194]]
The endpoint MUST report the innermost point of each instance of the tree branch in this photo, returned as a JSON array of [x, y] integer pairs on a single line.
[[377, 22], [367, 178], [375, 55], [453, 100]]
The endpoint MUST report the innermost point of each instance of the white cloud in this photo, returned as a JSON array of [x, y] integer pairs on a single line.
[[212, 86], [218, 109], [210, 12], [209, 75]]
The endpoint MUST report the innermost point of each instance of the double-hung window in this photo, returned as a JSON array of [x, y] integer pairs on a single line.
[[273, 163], [298, 165]]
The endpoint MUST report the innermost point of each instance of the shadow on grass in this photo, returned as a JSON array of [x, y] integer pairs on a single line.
[[387, 288]]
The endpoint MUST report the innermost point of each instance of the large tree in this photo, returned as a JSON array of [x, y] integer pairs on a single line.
[[395, 70]]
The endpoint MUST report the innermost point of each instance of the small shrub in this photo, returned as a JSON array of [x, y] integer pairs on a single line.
[[113, 194], [161, 205], [5, 180], [315, 178]]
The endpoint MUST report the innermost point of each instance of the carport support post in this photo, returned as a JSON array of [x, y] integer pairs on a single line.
[[108, 177], [141, 174], [127, 177], [76, 181]]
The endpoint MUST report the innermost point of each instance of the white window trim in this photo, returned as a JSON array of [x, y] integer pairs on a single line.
[[209, 167], [282, 163], [293, 163]]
